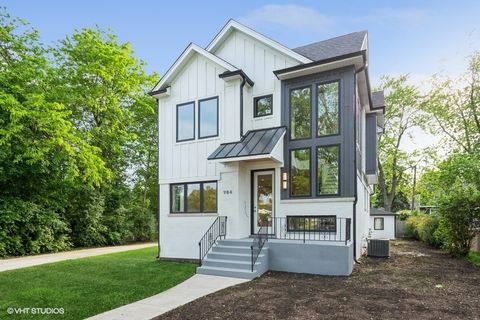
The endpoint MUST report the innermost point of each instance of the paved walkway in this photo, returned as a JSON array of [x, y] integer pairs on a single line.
[[23, 262], [193, 288]]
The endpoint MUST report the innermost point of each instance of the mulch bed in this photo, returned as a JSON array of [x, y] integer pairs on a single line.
[[416, 282]]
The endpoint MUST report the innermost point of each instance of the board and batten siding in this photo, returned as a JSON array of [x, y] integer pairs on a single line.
[[181, 161], [258, 61]]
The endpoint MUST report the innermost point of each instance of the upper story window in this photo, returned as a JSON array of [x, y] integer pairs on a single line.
[[186, 121], [208, 118], [263, 106], [300, 113], [300, 172], [195, 197], [328, 170], [328, 119], [313, 112]]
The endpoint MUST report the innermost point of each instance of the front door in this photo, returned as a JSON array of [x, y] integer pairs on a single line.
[[263, 201]]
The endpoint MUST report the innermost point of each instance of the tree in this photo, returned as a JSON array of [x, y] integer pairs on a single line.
[[402, 113], [454, 105]]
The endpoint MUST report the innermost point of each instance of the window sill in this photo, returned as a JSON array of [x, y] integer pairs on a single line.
[[316, 200], [193, 215], [197, 140], [263, 118]]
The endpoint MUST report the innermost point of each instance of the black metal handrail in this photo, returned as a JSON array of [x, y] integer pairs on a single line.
[[313, 228], [257, 244], [218, 229]]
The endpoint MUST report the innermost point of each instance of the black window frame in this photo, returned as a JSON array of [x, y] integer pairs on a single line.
[[290, 112], [383, 223], [334, 217], [176, 121], [255, 110], [185, 198], [339, 113], [290, 173], [199, 118], [339, 151]]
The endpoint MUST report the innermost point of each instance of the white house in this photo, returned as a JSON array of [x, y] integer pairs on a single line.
[[267, 155], [382, 224]]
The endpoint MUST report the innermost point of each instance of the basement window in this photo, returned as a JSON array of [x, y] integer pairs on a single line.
[[311, 223]]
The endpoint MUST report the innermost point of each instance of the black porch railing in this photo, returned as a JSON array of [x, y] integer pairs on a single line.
[[309, 228], [218, 229], [257, 244]]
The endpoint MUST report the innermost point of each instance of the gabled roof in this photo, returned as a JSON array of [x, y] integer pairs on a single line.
[[189, 51], [232, 25], [334, 47], [254, 143]]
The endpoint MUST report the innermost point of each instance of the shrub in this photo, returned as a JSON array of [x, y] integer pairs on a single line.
[[29, 228], [423, 227], [458, 209]]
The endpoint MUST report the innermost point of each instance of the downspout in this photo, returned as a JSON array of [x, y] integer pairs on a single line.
[[355, 191], [244, 80]]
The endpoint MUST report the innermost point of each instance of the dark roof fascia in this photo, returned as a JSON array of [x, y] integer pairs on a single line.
[[153, 93], [320, 62], [239, 72]]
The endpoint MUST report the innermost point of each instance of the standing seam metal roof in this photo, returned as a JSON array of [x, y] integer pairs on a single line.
[[255, 142]]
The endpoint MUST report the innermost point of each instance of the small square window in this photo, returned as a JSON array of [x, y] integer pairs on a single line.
[[378, 223], [263, 106]]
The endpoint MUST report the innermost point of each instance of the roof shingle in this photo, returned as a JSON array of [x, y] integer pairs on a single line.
[[338, 46]]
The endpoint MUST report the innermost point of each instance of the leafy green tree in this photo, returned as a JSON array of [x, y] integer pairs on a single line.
[[454, 105], [402, 114]]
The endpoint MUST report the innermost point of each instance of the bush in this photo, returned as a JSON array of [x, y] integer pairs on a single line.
[[458, 209], [423, 227], [29, 228]]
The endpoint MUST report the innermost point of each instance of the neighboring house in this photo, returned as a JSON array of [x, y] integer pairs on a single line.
[[382, 224], [256, 138]]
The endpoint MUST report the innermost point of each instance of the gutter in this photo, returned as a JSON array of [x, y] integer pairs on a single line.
[[355, 187], [245, 80]]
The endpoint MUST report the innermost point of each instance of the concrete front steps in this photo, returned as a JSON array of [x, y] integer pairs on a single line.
[[232, 258]]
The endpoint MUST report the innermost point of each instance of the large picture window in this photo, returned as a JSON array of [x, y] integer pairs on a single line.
[[186, 121], [194, 197], [311, 223], [327, 109], [263, 106], [300, 172], [328, 170], [208, 118], [300, 113]]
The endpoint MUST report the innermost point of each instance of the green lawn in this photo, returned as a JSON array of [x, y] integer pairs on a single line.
[[474, 257], [88, 286]]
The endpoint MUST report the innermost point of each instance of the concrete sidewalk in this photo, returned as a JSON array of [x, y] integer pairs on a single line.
[[23, 262], [193, 288]]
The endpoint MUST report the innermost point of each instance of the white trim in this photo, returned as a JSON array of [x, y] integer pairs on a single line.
[[319, 200], [232, 24], [191, 179], [186, 54], [192, 215]]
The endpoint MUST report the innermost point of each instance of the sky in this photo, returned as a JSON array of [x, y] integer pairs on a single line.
[[419, 38]]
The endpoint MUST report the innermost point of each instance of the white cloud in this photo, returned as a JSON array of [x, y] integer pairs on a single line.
[[405, 16], [291, 16]]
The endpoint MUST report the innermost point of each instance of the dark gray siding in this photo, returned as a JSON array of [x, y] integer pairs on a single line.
[[371, 143], [345, 139]]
